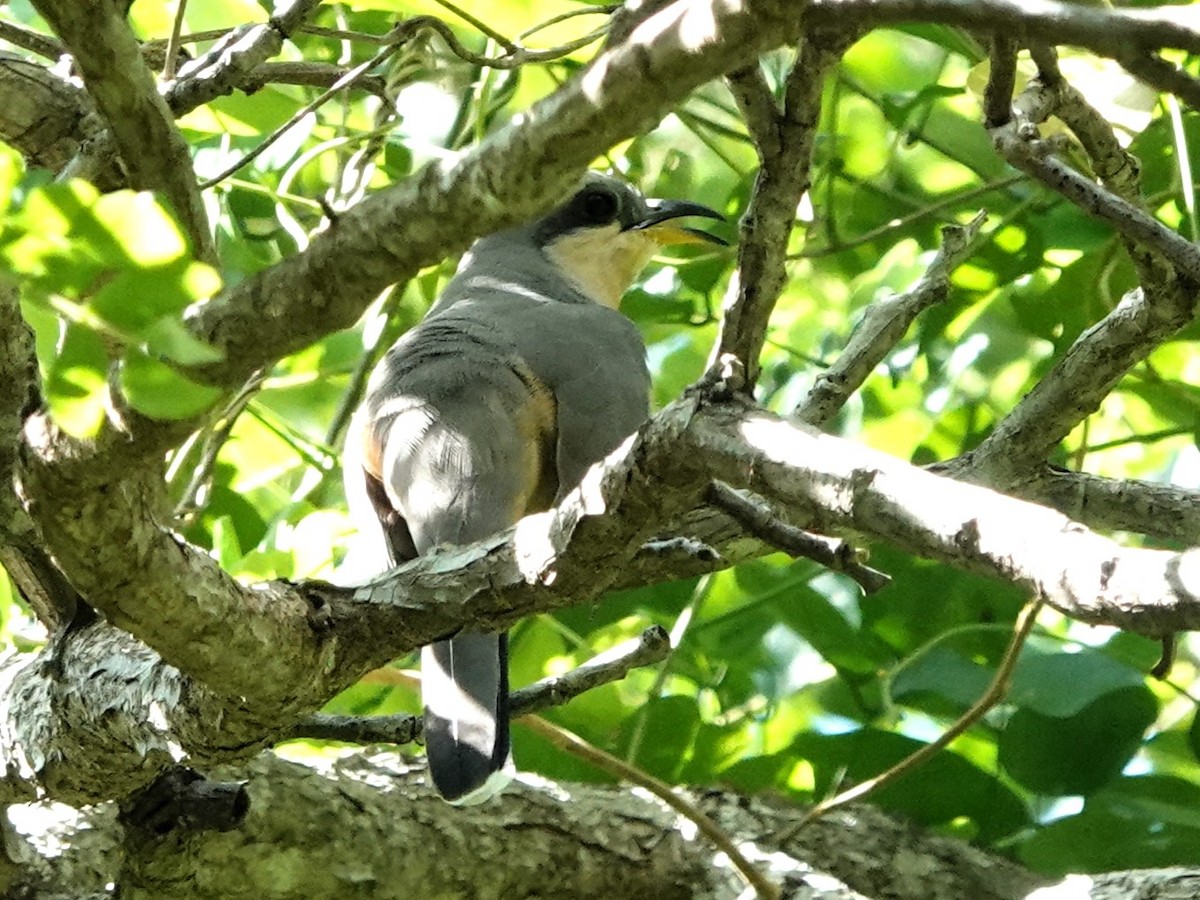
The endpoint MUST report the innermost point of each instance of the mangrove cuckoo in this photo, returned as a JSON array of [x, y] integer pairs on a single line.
[[522, 375]]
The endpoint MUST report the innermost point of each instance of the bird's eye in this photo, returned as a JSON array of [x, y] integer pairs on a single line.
[[599, 207]]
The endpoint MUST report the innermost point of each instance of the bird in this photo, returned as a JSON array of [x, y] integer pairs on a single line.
[[521, 376]]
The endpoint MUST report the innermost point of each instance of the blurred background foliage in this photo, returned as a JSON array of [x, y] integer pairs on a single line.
[[784, 678]]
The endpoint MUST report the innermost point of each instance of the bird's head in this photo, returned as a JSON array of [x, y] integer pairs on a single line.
[[603, 236]]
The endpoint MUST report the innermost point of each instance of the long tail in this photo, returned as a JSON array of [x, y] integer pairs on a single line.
[[465, 690]]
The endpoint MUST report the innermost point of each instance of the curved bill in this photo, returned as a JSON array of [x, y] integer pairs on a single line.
[[660, 223]]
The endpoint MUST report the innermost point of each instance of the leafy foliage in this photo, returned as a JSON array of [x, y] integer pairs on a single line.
[[783, 678]]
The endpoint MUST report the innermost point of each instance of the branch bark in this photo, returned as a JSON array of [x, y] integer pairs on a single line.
[[783, 136], [258, 659], [570, 556], [576, 841]]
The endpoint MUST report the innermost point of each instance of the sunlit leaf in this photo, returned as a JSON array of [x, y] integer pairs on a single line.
[[159, 391], [76, 388]]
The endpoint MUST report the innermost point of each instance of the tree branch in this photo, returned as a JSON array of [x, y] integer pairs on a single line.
[[1073, 389], [1002, 78], [836, 555], [613, 665], [562, 841], [884, 324], [785, 157], [1108, 31], [41, 115], [232, 61], [154, 153], [1162, 511], [831, 485], [1032, 156], [1163, 75]]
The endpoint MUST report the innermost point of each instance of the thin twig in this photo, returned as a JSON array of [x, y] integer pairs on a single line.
[[650, 647], [187, 504], [833, 554], [172, 55], [343, 82], [995, 692], [479, 25], [310, 74], [883, 325], [511, 58], [576, 746], [564, 16], [678, 631], [33, 41], [363, 367], [903, 221]]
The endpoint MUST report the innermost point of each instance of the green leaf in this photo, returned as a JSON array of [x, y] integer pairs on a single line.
[[1077, 754], [397, 159], [1138, 823], [170, 339], [137, 298], [668, 727], [225, 545], [11, 169], [1042, 679], [138, 225], [944, 789], [76, 387], [943, 673], [254, 213], [158, 391], [953, 39]]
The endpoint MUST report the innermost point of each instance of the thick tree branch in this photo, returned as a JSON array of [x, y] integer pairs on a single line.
[[831, 485], [1162, 511], [154, 153], [570, 842], [1113, 32], [41, 115]]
